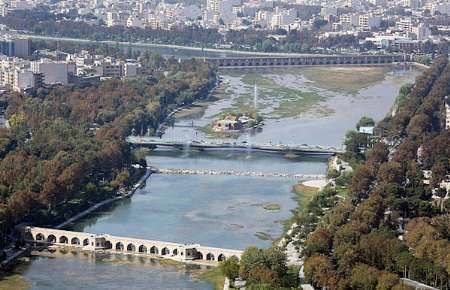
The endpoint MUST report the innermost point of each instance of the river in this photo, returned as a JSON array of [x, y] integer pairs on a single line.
[[299, 106]]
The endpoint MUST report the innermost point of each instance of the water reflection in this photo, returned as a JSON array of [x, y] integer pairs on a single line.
[[79, 270]]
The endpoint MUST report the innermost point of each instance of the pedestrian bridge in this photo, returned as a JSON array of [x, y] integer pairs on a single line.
[[105, 242], [203, 145]]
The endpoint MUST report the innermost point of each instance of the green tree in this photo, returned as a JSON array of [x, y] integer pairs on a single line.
[[365, 122], [230, 268]]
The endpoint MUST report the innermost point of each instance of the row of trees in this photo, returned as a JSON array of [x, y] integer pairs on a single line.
[[390, 226], [41, 21], [66, 146]]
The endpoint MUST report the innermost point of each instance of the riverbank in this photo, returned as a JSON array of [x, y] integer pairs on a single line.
[[150, 45], [23, 251]]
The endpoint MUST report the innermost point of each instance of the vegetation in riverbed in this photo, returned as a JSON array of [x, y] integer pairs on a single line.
[[264, 236], [304, 194], [213, 276], [276, 100], [14, 281], [345, 79], [271, 206]]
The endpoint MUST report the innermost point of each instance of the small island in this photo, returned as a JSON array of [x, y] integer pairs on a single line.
[[237, 122]]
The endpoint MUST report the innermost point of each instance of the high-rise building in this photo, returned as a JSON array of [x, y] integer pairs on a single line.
[[213, 5], [19, 47], [52, 72]]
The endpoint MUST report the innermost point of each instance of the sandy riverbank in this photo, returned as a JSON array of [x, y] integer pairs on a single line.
[[317, 183]]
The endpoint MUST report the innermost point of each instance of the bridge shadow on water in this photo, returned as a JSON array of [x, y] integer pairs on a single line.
[[113, 259], [233, 154]]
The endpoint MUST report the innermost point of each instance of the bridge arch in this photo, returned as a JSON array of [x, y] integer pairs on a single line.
[[131, 247], [63, 240], [51, 239], [200, 255], [119, 246], [40, 237], [108, 245], [221, 257], [142, 249], [86, 242], [210, 257], [154, 250], [75, 241], [175, 252], [29, 236], [165, 251]]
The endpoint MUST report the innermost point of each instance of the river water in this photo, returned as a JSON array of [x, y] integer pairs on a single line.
[[222, 211]]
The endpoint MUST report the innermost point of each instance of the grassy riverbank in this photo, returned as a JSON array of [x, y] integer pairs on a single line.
[[213, 276], [304, 194], [14, 281]]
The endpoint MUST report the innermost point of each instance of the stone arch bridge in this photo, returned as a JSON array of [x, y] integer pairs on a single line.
[[105, 242], [317, 59]]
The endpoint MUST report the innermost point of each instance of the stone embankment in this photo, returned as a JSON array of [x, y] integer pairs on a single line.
[[237, 173]]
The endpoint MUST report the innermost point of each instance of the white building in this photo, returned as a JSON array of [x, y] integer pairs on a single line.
[[369, 21], [213, 5], [422, 31], [24, 80], [52, 72], [134, 21], [350, 19], [404, 24]]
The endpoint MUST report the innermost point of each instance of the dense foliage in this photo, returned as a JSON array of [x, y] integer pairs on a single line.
[[391, 226], [66, 146], [261, 269]]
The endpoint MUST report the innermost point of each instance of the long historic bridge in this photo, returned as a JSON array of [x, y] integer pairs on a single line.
[[311, 59], [203, 145], [105, 242]]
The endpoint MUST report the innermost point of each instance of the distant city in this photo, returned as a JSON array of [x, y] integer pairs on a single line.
[[403, 25], [415, 27]]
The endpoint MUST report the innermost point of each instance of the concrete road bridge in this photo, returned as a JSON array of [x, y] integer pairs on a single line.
[[105, 242], [311, 59], [154, 142]]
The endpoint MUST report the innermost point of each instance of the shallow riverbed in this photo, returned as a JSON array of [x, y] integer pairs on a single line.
[[300, 105]]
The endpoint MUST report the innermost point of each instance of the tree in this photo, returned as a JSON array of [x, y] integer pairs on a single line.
[[230, 268], [364, 277], [251, 257], [263, 265], [318, 242], [365, 122], [318, 269], [387, 281]]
